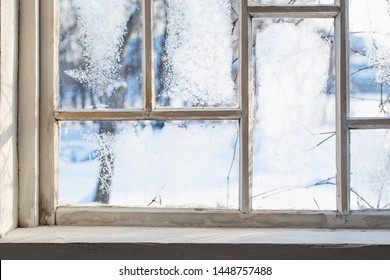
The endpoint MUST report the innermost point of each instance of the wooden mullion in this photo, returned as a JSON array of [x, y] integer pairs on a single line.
[[49, 130], [28, 112], [342, 108], [245, 124], [148, 75]]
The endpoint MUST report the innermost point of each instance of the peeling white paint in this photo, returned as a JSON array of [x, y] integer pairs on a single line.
[[8, 116]]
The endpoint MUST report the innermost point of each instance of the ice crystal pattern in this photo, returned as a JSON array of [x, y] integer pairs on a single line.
[[287, 82], [105, 155], [379, 41], [370, 163], [101, 38], [199, 52]]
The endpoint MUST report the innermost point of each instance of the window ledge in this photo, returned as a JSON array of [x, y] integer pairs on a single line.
[[193, 243]]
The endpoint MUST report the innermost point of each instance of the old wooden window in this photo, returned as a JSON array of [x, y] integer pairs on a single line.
[[214, 113]]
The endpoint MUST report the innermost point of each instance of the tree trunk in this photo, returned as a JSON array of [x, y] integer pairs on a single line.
[[108, 128], [103, 188]]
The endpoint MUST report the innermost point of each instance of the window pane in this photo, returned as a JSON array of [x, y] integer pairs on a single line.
[[370, 165], [293, 2], [370, 58], [150, 164], [294, 133], [196, 49], [100, 54]]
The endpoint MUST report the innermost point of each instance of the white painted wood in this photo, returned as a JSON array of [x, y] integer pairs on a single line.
[[342, 108], [64, 234], [158, 217], [8, 116], [157, 114], [28, 128], [292, 11], [245, 142], [147, 52], [368, 123], [49, 82]]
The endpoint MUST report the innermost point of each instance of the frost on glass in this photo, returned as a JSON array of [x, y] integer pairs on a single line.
[[370, 58], [293, 2], [189, 164], [294, 133], [100, 54], [196, 53], [370, 165]]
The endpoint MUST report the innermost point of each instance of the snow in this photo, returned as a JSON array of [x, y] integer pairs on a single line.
[[370, 165], [185, 164], [370, 40], [378, 17], [293, 116], [198, 61]]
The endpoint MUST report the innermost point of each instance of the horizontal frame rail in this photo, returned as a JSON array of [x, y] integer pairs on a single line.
[[163, 217], [323, 11], [163, 114], [368, 123]]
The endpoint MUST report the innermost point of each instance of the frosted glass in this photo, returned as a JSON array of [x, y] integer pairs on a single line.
[[100, 54], [294, 133], [196, 49], [369, 58], [370, 165], [147, 164]]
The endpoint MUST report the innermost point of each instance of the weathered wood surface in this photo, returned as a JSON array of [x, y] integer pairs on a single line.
[[193, 243]]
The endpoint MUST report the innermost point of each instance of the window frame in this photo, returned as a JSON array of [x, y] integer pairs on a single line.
[[50, 116]]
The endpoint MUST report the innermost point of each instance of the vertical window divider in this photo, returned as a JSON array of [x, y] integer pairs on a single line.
[[147, 64], [245, 121], [342, 108], [49, 127], [28, 114]]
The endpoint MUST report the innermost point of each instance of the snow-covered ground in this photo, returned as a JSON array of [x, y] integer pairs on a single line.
[[184, 164]]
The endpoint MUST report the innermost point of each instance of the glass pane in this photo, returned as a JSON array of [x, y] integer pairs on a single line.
[[370, 165], [294, 134], [370, 58], [150, 164], [100, 54], [196, 50], [293, 2]]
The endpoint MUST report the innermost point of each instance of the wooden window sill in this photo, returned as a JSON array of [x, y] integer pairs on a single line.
[[58, 242]]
